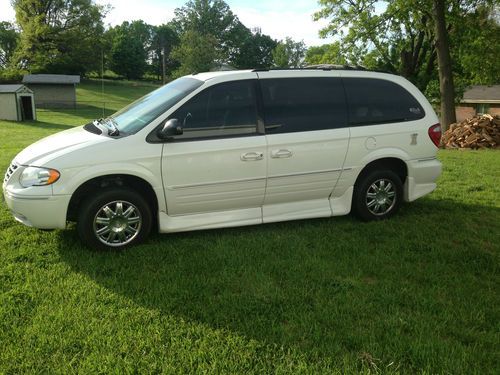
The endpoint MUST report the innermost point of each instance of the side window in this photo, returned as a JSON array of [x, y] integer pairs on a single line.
[[226, 109], [303, 104], [377, 101]]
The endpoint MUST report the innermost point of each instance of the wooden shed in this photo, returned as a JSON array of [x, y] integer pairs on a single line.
[[16, 103], [53, 90]]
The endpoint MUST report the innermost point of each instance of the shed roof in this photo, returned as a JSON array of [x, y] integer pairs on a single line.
[[60, 79], [482, 94], [7, 89]]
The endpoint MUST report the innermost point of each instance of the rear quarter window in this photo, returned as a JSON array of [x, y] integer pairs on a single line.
[[377, 101]]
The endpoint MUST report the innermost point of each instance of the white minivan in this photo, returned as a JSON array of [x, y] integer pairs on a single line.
[[235, 148]]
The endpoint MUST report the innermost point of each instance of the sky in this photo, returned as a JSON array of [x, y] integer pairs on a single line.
[[277, 18]]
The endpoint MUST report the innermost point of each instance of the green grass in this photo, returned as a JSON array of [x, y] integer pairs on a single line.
[[416, 294]]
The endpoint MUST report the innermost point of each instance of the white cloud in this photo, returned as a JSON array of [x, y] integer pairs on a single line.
[[280, 24], [130, 10], [6, 11]]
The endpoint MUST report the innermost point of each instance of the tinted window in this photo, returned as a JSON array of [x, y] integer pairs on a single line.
[[376, 101], [302, 104], [222, 110]]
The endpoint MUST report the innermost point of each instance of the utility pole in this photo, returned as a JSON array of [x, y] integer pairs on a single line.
[[163, 62]]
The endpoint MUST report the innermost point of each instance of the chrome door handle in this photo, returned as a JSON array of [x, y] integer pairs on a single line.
[[281, 153], [250, 156]]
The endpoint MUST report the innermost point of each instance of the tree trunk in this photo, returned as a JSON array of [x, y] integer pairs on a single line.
[[446, 86]]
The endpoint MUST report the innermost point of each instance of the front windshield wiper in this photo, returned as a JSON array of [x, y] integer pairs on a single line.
[[109, 124]]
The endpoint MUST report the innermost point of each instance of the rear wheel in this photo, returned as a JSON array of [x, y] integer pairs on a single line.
[[114, 219], [378, 195]]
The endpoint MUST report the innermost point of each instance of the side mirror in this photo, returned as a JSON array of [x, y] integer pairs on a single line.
[[171, 128]]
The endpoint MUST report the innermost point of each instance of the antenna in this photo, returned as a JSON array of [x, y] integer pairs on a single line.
[[102, 84]]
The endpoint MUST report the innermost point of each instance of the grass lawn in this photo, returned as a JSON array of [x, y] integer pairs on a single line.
[[416, 294]]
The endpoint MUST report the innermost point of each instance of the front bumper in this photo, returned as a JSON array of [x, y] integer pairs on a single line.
[[43, 212]]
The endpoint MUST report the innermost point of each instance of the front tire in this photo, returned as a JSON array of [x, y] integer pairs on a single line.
[[114, 219], [378, 195]]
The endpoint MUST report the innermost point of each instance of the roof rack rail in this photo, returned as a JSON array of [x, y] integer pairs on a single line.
[[335, 67], [325, 67]]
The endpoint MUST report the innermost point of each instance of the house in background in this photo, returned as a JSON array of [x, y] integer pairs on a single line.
[[16, 103], [53, 90], [479, 100]]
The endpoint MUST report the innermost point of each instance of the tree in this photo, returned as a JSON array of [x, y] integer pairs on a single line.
[[446, 86], [256, 51], [8, 42], [130, 43], [401, 36], [325, 54], [211, 18], [61, 36], [289, 54], [399, 39], [196, 53], [163, 42]]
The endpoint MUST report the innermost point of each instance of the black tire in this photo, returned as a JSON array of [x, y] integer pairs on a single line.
[[368, 195], [106, 212]]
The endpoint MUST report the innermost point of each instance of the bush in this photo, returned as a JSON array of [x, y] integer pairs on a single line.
[[11, 75]]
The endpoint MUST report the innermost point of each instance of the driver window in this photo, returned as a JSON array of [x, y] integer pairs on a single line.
[[227, 109]]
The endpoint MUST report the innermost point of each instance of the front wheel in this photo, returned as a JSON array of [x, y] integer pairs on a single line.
[[378, 195], [114, 219]]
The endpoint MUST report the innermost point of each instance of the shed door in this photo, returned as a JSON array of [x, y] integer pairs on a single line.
[[27, 107]]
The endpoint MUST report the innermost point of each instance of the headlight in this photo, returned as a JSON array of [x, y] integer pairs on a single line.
[[36, 176]]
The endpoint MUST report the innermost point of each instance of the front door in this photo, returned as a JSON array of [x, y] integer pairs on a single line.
[[219, 162]]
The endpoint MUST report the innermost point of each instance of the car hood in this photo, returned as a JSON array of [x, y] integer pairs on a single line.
[[51, 147]]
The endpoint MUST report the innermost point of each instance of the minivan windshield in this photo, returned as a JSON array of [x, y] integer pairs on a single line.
[[140, 113]]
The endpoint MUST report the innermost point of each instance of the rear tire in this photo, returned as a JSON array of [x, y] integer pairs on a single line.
[[377, 195], [114, 219]]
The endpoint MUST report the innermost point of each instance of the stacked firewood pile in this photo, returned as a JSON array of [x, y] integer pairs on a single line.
[[477, 132]]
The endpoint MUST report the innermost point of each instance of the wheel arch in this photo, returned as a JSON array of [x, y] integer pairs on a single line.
[[133, 182], [395, 164]]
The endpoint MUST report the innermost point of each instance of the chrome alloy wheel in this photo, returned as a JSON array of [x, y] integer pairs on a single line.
[[381, 197], [117, 223]]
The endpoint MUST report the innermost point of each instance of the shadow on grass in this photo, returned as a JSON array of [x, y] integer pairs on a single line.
[[327, 286]]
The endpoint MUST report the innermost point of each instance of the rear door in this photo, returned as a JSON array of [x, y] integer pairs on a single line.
[[219, 163], [308, 138]]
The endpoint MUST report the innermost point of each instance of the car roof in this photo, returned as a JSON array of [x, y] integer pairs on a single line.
[[320, 71]]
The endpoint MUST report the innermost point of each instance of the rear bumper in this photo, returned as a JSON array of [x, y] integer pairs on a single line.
[[422, 177], [43, 212]]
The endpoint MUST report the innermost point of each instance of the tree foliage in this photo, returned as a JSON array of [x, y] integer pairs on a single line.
[[289, 54], [130, 44], [8, 42], [400, 36], [196, 53], [325, 54], [59, 36], [255, 51], [214, 20], [163, 42]]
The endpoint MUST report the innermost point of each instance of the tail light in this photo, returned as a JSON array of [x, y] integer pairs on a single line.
[[435, 134]]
